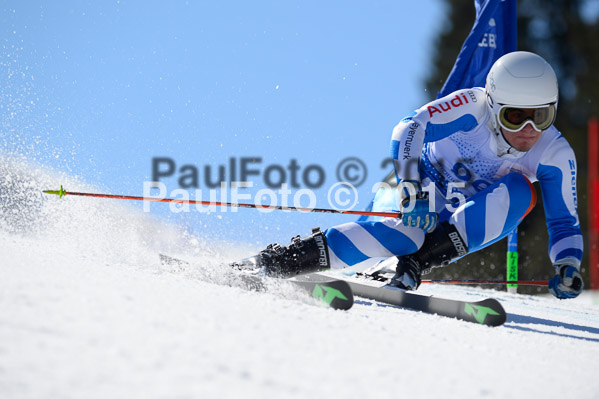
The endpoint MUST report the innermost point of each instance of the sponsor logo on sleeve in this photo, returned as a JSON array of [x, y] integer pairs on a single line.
[[407, 147], [573, 181], [472, 96], [457, 101]]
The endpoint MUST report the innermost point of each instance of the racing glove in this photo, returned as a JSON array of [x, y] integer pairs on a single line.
[[567, 282], [415, 207]]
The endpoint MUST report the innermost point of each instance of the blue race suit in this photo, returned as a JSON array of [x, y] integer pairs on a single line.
[[451, 143]]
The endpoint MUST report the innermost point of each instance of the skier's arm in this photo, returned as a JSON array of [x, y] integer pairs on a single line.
[[462, 110], [557, 177]]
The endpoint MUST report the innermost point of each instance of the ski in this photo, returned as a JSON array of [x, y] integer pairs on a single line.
[[337, 294], [331, 292], [486, 311]]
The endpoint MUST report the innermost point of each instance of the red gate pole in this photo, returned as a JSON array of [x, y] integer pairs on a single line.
[[593, 202]]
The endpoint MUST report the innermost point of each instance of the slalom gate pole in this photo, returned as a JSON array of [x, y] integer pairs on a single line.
[[512, 260], [62, 192], [500, 282], [593, 202]]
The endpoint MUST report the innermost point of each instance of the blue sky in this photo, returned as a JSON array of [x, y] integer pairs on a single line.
[[97, 89]]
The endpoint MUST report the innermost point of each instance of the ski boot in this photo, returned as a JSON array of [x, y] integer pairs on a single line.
[[440, 248], [303, 255]]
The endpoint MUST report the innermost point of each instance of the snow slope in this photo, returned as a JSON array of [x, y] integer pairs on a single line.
[[87, 311]]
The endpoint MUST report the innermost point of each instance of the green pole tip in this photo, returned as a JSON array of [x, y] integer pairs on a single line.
[[61, 193]]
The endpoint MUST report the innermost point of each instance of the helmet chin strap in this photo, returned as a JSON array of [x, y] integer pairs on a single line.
[[501, 145]]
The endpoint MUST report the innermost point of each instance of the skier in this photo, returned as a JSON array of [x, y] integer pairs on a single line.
[[465, 164]]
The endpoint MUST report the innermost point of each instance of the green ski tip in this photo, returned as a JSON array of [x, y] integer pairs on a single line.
[[61, 193]]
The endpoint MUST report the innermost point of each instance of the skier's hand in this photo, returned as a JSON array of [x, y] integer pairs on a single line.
[[567, 282], [415, 207]]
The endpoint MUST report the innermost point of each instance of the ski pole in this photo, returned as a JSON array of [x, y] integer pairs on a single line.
[[502, 282], [62, 192]]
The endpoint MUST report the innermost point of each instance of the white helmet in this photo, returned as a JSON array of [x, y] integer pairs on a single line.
[[522, 88]]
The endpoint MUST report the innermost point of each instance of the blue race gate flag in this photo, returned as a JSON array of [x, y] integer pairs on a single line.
[[494, 34]]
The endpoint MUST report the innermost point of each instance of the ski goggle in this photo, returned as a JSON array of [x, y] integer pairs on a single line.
[[514, 118]]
